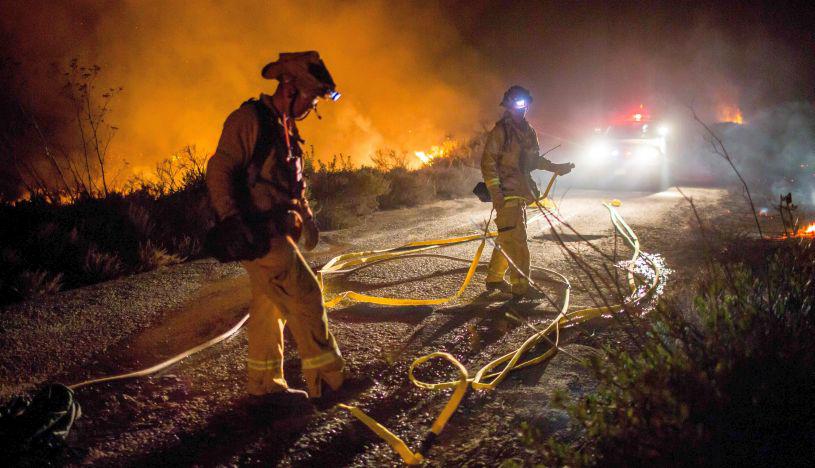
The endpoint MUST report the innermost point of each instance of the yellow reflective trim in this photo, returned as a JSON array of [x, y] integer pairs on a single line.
[[321, 360], [259, 364], [261, 361], [493, 182], [513, 198]]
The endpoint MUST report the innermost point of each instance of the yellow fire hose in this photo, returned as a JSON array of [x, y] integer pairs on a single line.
[[490, 375]]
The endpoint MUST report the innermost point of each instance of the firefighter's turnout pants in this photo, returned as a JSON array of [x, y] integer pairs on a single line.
[[511, 223], [286, 293]]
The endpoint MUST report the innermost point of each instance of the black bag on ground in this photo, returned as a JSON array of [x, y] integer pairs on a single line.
[[32, 428]]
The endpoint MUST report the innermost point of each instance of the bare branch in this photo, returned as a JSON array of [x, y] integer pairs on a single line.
[[720, 150]]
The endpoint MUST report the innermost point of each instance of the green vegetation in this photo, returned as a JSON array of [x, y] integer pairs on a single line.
[[723, 380]]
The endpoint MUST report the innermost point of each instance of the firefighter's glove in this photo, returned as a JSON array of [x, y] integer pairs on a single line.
[[562, 169], [240, 242], [311, 234]]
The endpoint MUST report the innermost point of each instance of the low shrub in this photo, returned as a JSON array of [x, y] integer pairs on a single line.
[[407, 188], [453, 181], [101, 266], [140, 219], [152, 257], [163, 220], [187, 247], [340, 198], [97, 239], [37, 283]]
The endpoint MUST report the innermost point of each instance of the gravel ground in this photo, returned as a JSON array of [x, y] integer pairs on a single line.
[[43, 338], [197, 414]]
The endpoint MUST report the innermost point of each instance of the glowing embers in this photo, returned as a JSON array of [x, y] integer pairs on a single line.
[[806, 231], [803, 232]]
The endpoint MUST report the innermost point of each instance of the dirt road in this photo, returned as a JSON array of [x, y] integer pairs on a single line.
[[196, 413]]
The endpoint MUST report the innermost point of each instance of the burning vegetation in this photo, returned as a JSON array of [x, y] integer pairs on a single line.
[[729, 113], [444, 150]]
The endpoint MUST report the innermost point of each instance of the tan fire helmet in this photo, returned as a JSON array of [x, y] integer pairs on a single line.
[[307, 70]]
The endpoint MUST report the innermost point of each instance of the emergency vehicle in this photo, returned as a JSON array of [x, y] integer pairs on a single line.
[[630, 151]]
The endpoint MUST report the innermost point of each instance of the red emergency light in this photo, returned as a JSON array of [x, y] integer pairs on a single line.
[[638, 114]]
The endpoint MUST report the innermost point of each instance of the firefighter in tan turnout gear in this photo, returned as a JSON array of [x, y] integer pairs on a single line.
[[256, 187], [511, 153]]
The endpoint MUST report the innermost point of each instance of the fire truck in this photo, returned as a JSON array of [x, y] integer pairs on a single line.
[[630, 151]]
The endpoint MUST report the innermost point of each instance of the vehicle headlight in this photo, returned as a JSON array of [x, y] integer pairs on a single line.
[[599, 149], [648, 152], [663, 130]]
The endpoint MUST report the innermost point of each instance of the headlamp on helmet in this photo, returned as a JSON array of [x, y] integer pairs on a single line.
[[516, 97]]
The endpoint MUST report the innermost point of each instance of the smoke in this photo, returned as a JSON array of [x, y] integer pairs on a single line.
[[407, 79], [776, 150], [411, 73]]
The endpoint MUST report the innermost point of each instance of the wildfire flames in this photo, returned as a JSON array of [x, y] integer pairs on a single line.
[[728, 113], [435, 152], [806, 232]]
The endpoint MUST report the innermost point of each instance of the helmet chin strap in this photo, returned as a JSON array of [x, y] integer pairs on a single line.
[[291, 108], [292, 101]]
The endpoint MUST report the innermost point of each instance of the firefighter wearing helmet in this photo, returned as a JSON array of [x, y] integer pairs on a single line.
[[511, 153], [256, 188]]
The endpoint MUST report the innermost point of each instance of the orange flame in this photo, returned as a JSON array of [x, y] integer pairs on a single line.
[[435, 152], [807, 232], [728, 113]]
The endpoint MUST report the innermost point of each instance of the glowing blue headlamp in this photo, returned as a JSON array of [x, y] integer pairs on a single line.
[[520, 103]]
